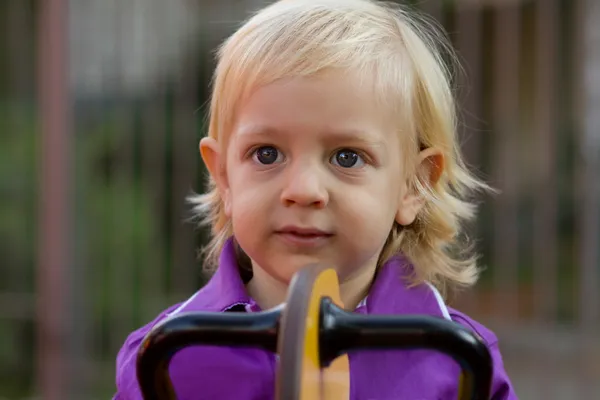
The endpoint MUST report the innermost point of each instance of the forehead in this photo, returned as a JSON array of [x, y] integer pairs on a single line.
[[332, 104]]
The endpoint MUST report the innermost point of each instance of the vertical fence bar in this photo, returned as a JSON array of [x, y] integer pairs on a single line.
[[148, 163], [18, 40], [545, 240], [16, 36], [507, 35], [469, 31], [55, 203], [120, 263], [185, 151], [589, 167], [156, 159], [545, 189], [468, 23]]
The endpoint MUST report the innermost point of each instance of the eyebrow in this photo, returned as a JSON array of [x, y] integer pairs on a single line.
[[251, 131], [355, 136]]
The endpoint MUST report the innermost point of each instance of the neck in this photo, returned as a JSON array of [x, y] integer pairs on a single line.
[[269, 292]]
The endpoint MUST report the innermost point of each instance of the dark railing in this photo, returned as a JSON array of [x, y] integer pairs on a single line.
[[340, 332]]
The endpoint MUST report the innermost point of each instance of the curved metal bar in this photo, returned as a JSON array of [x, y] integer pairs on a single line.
[[342, 331], [209, 329]]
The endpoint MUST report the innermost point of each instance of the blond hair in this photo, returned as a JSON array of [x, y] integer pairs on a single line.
[[403, 55]]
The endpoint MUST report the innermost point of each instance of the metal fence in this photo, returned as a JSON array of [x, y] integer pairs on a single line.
[[101, 108]]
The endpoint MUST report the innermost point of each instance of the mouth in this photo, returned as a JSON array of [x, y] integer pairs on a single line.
[[299, 236], [306, 232]]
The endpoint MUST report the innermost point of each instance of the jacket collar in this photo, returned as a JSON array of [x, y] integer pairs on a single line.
[[389, 294]]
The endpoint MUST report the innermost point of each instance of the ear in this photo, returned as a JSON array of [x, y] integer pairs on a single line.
[[430, 166], [215, 163]]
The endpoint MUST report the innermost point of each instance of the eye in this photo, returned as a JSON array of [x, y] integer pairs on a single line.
[[347, 158], [267, 155]]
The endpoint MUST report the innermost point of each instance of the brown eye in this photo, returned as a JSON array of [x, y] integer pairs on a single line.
[[347, 158], [266, 155]]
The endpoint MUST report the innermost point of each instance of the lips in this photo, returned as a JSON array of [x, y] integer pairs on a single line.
[[308, 232], [303, 236]]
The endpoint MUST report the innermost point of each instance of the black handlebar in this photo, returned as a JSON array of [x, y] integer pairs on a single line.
[[233, 329], [340, 332], [343, 331]]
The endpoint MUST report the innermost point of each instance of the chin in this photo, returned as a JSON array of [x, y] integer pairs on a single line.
[[284, 268]]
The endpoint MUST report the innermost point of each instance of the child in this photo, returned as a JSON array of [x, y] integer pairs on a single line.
[[332, 140]]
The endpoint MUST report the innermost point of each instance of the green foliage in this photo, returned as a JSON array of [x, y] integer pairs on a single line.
[[18, 187], [114, 228]]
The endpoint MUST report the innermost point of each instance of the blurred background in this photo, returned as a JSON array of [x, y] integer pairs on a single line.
[[102, 105]]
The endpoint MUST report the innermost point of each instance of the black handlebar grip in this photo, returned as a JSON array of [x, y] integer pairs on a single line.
[[210, 329], [342, 331]]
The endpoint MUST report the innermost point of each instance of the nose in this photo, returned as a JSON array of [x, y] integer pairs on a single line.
[[304, 186]]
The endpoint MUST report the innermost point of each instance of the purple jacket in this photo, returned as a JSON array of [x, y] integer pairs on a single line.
[[247, 374]]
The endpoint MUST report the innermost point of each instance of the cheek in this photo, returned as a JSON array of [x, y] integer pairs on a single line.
[[372, 208], [250, 198]]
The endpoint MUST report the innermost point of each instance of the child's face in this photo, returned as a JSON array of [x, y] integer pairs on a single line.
[[313, 173]]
